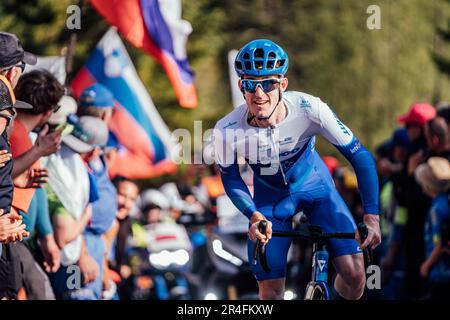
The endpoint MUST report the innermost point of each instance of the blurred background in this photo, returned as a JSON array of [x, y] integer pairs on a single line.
[[369, 77]]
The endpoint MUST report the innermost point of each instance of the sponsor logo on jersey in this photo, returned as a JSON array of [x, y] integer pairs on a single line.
[[229, 124], [304, 103], [341, 125], [286, 141], [355, 148]]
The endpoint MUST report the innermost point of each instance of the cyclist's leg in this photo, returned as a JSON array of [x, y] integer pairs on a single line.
[[350, 280], [331, 213], [272, 289], [271, 284]]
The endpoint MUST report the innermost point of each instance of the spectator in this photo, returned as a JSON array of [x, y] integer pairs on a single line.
[[117, 237], [417, 203], [443, 110], [97, 102], [393, 202], [13, 60], [434, 178], [70, 192], [155, 206], [43, 91], [437, 134], [127, 194]]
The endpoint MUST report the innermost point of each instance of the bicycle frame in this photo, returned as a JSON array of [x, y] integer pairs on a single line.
[[320, 254], [319, 269]]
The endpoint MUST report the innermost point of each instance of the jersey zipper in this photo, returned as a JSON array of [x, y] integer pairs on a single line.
[[277, 151]]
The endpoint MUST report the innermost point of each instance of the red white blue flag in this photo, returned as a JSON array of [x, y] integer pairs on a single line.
[[146, 145], [156, 27]]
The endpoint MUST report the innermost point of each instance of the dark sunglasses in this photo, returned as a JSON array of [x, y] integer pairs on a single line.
[[9, 117], [56, 108], [21, 66], [266, 85]]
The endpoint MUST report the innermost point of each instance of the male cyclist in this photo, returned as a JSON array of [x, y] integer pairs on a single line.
[[274, 132]]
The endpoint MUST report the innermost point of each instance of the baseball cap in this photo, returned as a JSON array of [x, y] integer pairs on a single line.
[[399, 138], [97, 95], [88, 132], [11, 51], [419, 113], [435, 174], [7, 97], [68, 105]]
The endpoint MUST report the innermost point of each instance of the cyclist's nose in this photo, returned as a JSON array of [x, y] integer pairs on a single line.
[[259, 91]]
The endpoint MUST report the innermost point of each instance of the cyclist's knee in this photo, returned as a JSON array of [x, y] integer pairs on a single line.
[[351, 269], [356, 278], [271, 289]]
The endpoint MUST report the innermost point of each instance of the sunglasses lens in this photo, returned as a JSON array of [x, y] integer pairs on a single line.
[[266, 85]]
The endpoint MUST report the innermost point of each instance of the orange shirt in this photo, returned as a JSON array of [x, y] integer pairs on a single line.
[[21, 143]]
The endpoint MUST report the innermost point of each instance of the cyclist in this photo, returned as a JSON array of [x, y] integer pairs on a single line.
[[274, 131]]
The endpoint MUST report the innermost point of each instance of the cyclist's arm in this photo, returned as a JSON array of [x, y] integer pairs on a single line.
[[237, 190], [234, 185], [360, 158]]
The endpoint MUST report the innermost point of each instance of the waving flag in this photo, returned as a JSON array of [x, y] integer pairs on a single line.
[[145, 140], [156, 27], [56, 65]]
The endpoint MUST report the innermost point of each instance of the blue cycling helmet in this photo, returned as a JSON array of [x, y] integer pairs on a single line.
[[261, 57]]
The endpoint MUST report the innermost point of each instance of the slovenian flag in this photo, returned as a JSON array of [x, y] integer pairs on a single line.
[[146, 145], [156, 27]]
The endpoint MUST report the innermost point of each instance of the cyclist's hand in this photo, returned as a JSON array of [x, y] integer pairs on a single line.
[[254, 233], [373, 239]]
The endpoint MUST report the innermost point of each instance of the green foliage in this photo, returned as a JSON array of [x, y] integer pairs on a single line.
[[368, 77]]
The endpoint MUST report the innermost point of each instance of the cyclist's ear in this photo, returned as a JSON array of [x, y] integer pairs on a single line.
[[240, 86], [284, 83]]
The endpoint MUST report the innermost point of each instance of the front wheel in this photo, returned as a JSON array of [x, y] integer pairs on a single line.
[[316, 291]]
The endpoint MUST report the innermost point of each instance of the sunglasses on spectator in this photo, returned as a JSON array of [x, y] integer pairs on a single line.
[[21, 66], [56, 108], [9, 117], [266, 85]]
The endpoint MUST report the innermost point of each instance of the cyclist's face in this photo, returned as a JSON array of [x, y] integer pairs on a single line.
[[261, 101]]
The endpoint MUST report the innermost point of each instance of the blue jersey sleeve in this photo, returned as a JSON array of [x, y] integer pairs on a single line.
[[237, 190], [360, 158], [366, 173]]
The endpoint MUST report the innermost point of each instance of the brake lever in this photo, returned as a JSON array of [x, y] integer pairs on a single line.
[[259, 251], [363, 232]]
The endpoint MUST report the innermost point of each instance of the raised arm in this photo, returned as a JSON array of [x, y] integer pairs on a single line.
[[354, 151]]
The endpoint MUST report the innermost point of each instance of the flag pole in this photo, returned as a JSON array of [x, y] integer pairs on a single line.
[[70, 50]]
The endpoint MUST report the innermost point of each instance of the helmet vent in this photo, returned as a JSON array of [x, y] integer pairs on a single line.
[[259, 64], [272, 55], [259, 54], [247, 65], [280, 63], [246, 56], [270, 64], [238, 65]]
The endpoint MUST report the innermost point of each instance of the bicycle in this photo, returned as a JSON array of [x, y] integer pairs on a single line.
[[317, 288]]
